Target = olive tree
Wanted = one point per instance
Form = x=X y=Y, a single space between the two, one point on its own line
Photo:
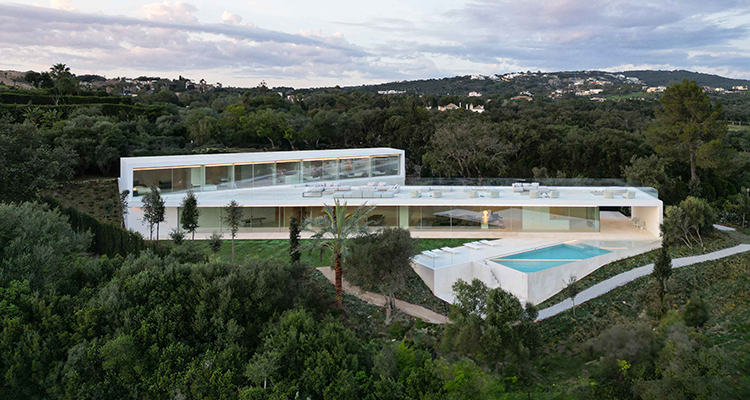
x=382 y=261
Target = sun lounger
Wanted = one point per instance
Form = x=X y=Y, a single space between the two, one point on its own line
x=429 y=254
x=472 y=246
x=488 y=243
x=449 y=250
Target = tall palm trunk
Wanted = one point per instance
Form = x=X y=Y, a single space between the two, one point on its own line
x=339 y=285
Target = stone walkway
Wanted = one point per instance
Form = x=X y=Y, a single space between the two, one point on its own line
x=629 y=276
x=377 y=299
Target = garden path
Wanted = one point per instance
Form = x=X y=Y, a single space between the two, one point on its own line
x=629 y=276
x=425 y=314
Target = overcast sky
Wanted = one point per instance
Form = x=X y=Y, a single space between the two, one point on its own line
x=304 y=43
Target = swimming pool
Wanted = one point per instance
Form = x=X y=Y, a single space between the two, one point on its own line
x=549 y=257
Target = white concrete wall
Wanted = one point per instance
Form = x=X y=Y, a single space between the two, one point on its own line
x=135 y=222
x=426 y=273
x=652 y=216
x=511 y=280
x=445 y=277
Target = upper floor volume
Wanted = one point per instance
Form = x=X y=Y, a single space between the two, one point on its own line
x=227 y=171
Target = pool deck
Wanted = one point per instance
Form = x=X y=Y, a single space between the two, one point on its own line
x=618 y=235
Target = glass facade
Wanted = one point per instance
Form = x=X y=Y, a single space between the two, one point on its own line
x=167 y=180
x=509 y=219
x=240 y=176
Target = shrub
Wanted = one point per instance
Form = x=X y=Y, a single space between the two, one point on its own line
x=696 y=312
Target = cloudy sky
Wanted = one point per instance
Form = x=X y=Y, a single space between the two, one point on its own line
x=304 y=43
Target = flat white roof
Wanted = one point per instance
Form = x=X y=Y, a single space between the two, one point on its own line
x=291 y=196
x=127 y=163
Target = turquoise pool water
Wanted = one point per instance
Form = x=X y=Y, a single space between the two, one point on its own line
x=549 y=257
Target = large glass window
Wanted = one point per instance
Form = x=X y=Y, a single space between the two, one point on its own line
x=264 y=174
x=243 y=176
x=184 y=179
x=312 y=171
x=288 y=173
x=354 y=168
x=210 y=218
x=383 y=216
x=436 y=218
x=415 y=217
x=166 y=180
x=385 y=166
x=584 y=219
x=144 y=180
x=497 y=218
x=468 y=217
x=561 y=219
x=330 y=170
x=263 y=219
x=218 y=178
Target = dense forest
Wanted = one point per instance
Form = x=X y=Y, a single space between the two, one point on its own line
x=89 y=130
x=177 y=321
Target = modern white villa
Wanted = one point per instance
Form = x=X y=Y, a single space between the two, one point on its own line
x=536 y=235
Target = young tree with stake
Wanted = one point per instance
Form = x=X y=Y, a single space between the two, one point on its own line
x=233 y=217
x=190 y=213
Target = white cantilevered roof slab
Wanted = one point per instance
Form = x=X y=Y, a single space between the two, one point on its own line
x=291 y=196
x=128 y=163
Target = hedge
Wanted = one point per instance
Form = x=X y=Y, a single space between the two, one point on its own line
x=44 y=99
x=108 y=239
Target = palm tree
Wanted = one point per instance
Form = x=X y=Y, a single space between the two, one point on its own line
x=59 y=70
x=336 y=228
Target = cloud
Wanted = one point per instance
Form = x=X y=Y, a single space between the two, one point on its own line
x=576 y=34
x=178 y=12
x=229 y=18
x=62 y=5
x=476 y=36
x=168 y=38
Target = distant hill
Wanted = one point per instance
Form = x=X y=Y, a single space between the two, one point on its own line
x=541 y=82
x=666 y=78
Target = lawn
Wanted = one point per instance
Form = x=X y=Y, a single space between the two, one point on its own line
x=278 y=249
x=716 y=241
x=416 y=290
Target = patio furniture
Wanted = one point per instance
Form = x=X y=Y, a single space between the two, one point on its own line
x=630 y=194
x=414 y=194
x=472 y=245
x=494 y=194
x=472 y=194
x=449 y=250
x=429 y=254
x=553 y=194
x=488 y=243
x=533 y=194
x=608 y=194
x=437 y=194
x=251 y=221
x=386 y=195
